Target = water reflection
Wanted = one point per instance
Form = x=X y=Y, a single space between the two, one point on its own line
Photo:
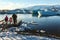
x=38 y=15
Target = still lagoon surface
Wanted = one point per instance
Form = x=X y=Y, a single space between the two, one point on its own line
x=50 y=24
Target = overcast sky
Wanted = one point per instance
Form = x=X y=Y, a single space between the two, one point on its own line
x=13 y=4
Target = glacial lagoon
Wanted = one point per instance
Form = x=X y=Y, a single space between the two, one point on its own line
x=49 y=24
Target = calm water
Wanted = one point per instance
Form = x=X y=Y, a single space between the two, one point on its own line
x=50 y=24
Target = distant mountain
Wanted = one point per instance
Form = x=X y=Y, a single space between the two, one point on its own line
x=42 y=7
x=37 y=7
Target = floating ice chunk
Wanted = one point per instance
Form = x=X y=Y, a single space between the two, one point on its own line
x=6 y=38
x=13 y=38
x=24 y=38
x=21 y=29
x=18 y=38
x=2 y=34
x=0 y=28
x=17 y=29
x=24 y=24
x=12 y=29
x=42 y=31
x=1 y=38
x=15 y=32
